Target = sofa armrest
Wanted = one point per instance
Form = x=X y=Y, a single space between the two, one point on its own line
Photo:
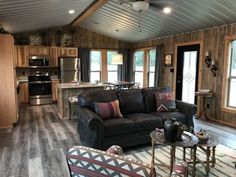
x=188 y=109
x=92 y=162
x=90 y=127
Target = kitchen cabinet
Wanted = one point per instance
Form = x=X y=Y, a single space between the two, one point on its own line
x=23 y=52
x=53 y=57
x=55 y=90
x=21 y=56
x=67 y=52
x=8 y=96
x=24 y=93
x=38 y=50
x=56 y=52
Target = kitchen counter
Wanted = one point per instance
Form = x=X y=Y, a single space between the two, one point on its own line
x=67 y=90
x=81 y=85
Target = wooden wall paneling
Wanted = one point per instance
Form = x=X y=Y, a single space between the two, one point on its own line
x=81 y=38
x=104 y=75
x=213 y=40
x=145 y=69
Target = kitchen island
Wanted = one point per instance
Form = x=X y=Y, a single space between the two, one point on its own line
x=67 y=90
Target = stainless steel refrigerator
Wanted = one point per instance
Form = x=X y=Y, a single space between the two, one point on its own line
x=69 y=69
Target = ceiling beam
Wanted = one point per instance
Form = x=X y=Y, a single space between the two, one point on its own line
x=88 y=12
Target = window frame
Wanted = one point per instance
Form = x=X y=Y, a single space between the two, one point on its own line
x=227 y=75
x=149 y=72
x=134 y=66
x=107 y=64
x=95 y=71
x=146 y=64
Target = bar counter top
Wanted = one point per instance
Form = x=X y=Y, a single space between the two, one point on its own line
x=80 y=85
x=67 y=90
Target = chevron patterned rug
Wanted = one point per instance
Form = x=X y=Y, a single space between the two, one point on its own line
x=225 y=160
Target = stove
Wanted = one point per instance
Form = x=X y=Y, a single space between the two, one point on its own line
x=40 y=89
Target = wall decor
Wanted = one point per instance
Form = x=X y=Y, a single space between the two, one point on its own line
x=35 y=39
x=66 y=40
x=168 y=59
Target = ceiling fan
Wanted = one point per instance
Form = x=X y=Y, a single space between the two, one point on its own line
x=143 y=5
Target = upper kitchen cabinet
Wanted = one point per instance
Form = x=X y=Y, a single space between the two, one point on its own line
x=53 y=56
x=67 y=52
x=38 y=50
x=21 y=56
x=56 y=52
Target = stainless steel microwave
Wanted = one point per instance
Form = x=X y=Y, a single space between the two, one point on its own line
x=38 y=61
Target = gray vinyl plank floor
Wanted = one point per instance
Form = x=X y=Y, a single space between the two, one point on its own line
x=38 y=144
x=40 y=140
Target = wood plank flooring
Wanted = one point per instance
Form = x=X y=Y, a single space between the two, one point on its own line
x=40 y=140
x=38 y=144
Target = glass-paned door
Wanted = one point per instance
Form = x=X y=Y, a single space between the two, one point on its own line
x=189 y=77
x=187 y=73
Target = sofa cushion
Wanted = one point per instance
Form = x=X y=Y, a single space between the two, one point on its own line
x=108 y=110
x=177 y=115
x=113 y=127
x=165 y=101
x=144 y=121
x=131 y=101
x=149 y=98
x=86 y=99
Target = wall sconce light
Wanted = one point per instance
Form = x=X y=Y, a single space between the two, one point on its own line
x=208 y=60
x=211 y=63
x=213 y=67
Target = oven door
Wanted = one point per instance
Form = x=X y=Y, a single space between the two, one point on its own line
x=40 y=88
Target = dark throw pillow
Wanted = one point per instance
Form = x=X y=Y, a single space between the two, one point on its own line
x=108 y=110
x=165 y=101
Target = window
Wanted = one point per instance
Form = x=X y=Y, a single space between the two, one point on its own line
x=112 y=70
x=231 y=101
x=95 y=66
x=139 y=67
x=151 y=66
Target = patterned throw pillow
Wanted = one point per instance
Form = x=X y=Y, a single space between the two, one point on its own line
x=108 y=110
x=165 y=101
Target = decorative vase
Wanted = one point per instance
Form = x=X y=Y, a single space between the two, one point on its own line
x=171 y=129
x=180 y=131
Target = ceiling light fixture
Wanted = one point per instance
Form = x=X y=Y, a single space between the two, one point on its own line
x=140 y=6
x=71 y=11
x=167 y=10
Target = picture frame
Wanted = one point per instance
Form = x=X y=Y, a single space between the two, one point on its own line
x=168 y=60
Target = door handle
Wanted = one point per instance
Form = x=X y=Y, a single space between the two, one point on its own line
x=178 y=81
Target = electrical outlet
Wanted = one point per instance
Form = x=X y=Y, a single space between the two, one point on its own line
x=208 y=106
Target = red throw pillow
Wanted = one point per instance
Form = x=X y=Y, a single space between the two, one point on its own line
x=165 y=101
x=108 y=110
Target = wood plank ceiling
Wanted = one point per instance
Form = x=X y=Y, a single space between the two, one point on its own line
x=26 y=15
x=122 y=22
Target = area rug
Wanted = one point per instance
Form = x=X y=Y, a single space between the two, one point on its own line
x=224 y=167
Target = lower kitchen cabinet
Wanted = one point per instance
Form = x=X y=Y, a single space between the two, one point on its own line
x=24 y=93
x=55 y=90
